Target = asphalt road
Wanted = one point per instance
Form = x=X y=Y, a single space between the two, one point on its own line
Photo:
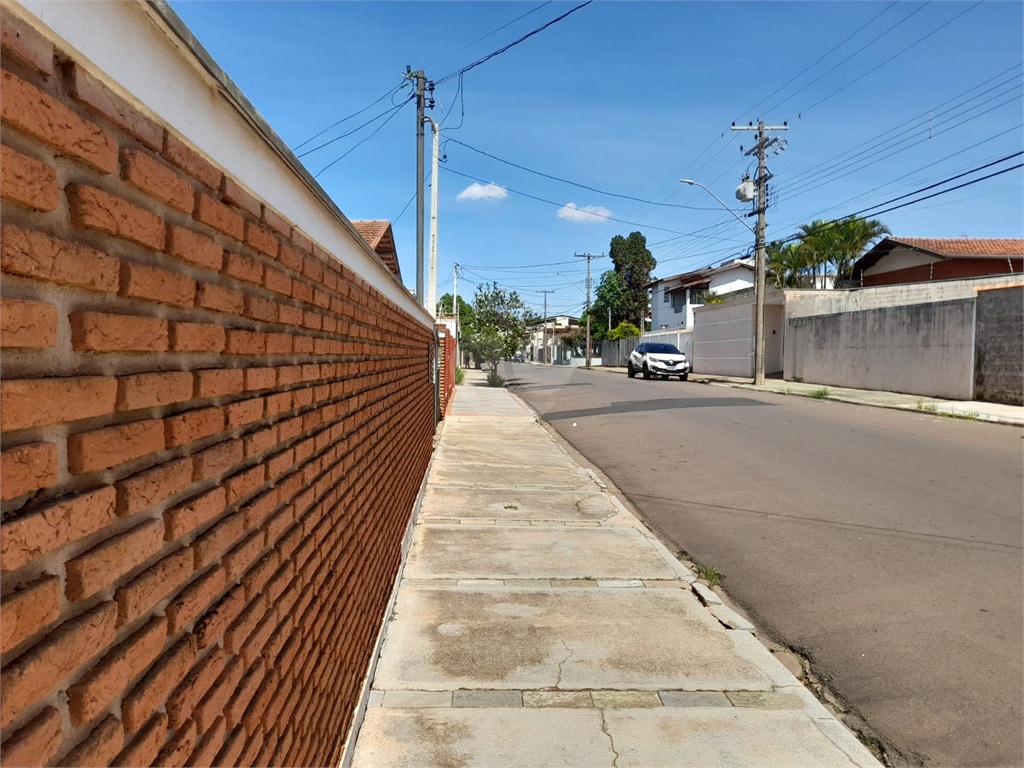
x=886 y=546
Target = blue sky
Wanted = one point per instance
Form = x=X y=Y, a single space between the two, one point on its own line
x=628 y=98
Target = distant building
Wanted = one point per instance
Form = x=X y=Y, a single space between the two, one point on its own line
x=921 y=259
x=378 y=235
x=674 y=298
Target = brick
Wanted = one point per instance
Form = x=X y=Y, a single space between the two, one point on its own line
x=151 y=586
x=260 y=378
x=50 y=661
x=110 y=560
x=179 y=747
x=265 y=756
x=218 y=216
x=240 y=629
x=276 y=221
x=190 y=602
x=312 y=269
x=253 y=644
x=303 y=345
x=244 y=412
x=27 y=610
x=95 y=209
x=194 y=687
x=236 y=706
x=89 y=91
x=99 y=332
x=288 y=375
x=110 y=446
x=257 y=576
x=240 y=342
x=277 y=281
x=257 y=510
x=279 y=403
x=145 y=489
x=259 y=441
x=216 y=541
x=99 y=747
x=217 y=459
x=91 y=694
x=187 y=517
x=27 y=324
x=193 y=247
x=213 y=623
x=37 y=742
x=141 y=281
x=28 y=467
x=302 y=292
x=151 y=692
x=178 y=154
x=212 y=704
x=45 y=530
x=193 y=425
x=301 y=242
x=232 y=193
x=210 y=743
x=219 y=299
x=41 y=257
x=289 y=315
x=263 y=310
x=144 y=748
x=242 y=267
x=260 y=239
x=21 y=41
x=196 y=337
x=215 y=382
x=289 y=258
x=279 y=581
x=279 y=344
x=243 y=555
x=244 y=483
x=152 y=390
x=27 y=182
x=27 y=109
x=28 y=403
x=229 y=754
x=154 y=178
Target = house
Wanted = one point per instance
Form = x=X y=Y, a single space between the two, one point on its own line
x=674 y=298
x=546 y=334
x=897 y=260
x=378 y=235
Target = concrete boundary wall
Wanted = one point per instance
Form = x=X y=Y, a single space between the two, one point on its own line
x=723 y=338
x=999 y=345
x=922 y=349
x=213 y=428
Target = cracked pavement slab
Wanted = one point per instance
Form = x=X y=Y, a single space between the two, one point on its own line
x=519 y=504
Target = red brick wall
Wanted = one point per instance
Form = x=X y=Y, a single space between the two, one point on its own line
x=448 y=361
x=212 y=437
x=948 y=269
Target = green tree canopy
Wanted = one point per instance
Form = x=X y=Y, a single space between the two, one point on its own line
x=499 y=325
x=609 y=297
x=623 y=330
x=633 y=263
x=466 y=314
x=822 y=245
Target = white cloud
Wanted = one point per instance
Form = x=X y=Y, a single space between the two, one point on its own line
x=588 y=213
x=482 y=192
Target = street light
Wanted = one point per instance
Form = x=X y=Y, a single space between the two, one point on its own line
x=758 y=284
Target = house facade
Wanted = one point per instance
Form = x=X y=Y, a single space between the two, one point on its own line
x=897 y=260
x=674 y=298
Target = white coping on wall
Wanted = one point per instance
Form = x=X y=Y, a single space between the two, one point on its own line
x=145 y=53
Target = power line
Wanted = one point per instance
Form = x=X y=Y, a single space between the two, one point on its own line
x=344 y=119
x=484 y=37
x=514 y=43
x=390 y=111
x=573 y=183
x=361 y=141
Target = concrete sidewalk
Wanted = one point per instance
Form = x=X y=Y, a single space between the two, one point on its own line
x=538 y=623
x=974 y=410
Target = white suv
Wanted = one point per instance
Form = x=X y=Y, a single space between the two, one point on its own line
x=655 y=359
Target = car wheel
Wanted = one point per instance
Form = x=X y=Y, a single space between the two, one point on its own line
x=684 y=377
x=646 y=372
x=629 y=370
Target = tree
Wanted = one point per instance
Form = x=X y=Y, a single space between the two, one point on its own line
x=623 y=330
x=634 y=263
x=609 y=300
x=838 y=244
x=444 y=307
x=786 y=266
x=499 y=325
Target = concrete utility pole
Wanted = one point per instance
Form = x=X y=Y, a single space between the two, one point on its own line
x=421 y=105
x=544 y=329
x=432 y=274
x=588 y=257
x=763 y=143
x=455 y=311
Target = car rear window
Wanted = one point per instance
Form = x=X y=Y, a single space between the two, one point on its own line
x=663 y=349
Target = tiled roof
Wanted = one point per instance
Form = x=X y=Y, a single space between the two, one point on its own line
x=963 y=246
x=378 y=235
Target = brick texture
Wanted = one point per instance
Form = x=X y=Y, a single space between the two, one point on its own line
x=213 y=437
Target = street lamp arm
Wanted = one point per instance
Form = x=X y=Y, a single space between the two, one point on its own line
x=693 y=183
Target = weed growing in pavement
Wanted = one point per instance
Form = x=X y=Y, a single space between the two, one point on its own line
x=818 y=393
x=511 y=506
x=934 y=409
x=710 y=574
x=494 y=379
x=460 y=375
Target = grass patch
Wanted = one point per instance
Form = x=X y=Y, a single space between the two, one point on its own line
x=494 y=379
x=819 y=393
x=933 y=409
x=460 y=375
x=709 y=574
x=511 y=506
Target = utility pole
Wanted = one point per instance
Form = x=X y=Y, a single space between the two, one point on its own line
x=432 y=272
x=544 y=329
x=455 y=311
x=588 y=257
x=421 y=104
x=763 y=143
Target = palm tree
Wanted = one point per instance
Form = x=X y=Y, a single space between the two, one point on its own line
x=787 y=265
x=838 y=244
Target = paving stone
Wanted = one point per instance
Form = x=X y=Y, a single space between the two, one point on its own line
x=564 y=699
x=487 y=699
x=694 y=699
x=730 y=618
x=625 y=699
x=765 y=700
x=619 y=583
x=417 y=699
x=705 y=593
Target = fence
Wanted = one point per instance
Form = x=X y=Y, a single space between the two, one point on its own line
x=447 y=366
x=215 y=421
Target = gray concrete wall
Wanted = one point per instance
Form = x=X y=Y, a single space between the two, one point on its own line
x=999 y=346
x=722 y=339
x=922 y=349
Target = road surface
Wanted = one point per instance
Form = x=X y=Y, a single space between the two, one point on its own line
x=886 y=546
